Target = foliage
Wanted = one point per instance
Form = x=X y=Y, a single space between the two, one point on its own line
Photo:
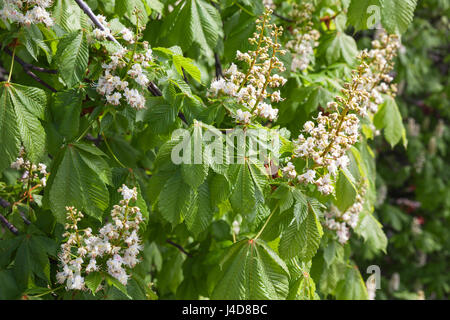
x=101 y=100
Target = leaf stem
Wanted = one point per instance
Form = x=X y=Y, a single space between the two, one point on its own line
x=267 y=221
x=12 y=64
x=112 y=153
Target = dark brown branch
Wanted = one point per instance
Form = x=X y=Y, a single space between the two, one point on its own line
x=94 y=19
x=218 y=65
x=184 y=75
x=283 y=18
x=8 y=225
x=4 y=203
x=96 y=141
x=179 y=247
x=26 y=67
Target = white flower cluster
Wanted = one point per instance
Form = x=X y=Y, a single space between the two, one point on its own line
x=333 y=133
x=113 y=249
x=26 y=12
x=250 y=89
x=32 y=172
x=132 y=64
x=305 y=38
x=342 y=222
x=381 y=62
x=303 y=49
x=268 y=4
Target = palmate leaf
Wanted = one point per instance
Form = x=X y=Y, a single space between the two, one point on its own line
x=194 y=21
x=389 y=118
x=31 y=257
x=199 y=214
x=362 y=13
x=338 y=46
x=397 y=14
x=248 y=180
x=345 y=191
x=252 y=270
x=372 y=232
x=351 y=287
x=174 y=198
x=127 y=8
x=68 y=15
x=302 y=237
x=72 y=57
x=196 y=169
x=21 y=108
x=79 y=178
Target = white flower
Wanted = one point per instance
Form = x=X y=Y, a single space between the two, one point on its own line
x=308 y=176
x=128 y=193
x=127 y=35
x=243 y=116
x=114 y=99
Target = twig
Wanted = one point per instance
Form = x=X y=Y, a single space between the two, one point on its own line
x=4 y=203
x=94 y=19
x=30 y=66
x=283 y=18
x=24 y=218
x=8 y=225
x=26 y=67
x=96 y=141
x=178 y=247
x=184 y=76
x=219 y=73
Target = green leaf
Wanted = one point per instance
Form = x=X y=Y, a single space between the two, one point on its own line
x=72 y=57
x=251 y=270
x=372 y=232
x=93 y=280
x=126 y=8
x=116 y=283
x=174 y=198
x=302 y=236
x=21 y=109
x=339 y=47
x=194 y=21
x=345 y=191
x=79 y=180
x=69 y=16
x=65 y=109
x=196 y=170
x=200 y=213
x=397 y=14
x=389 y=118
x=352 y=287
x=159 y=114
x=187 y=64
x=32 y=258
x=248 y=181
x=364 y=14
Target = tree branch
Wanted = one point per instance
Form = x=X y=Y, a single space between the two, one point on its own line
x=26 y=67
x=94 y=19
x=5 y=204
x=178 y=247
x=282 y=17
x=8 y=225
x=218 y=65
